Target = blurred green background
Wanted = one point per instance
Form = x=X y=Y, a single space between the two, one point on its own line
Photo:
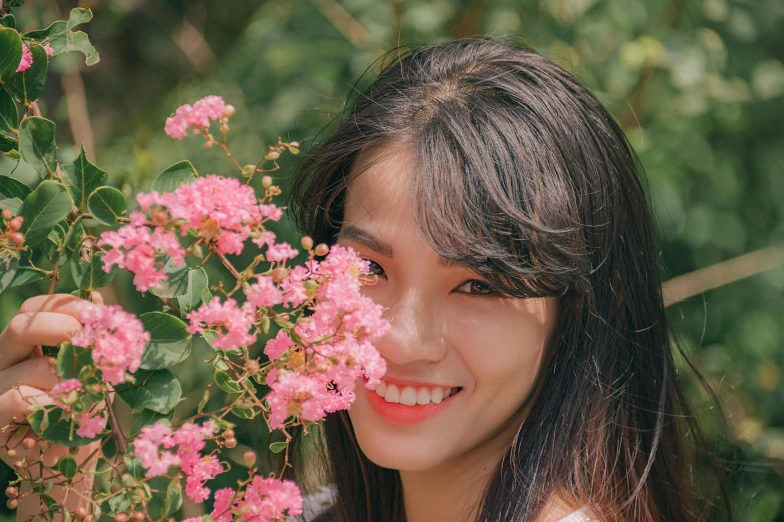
x=698 y=85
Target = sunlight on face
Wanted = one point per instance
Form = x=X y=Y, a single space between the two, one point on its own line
x=444 y=331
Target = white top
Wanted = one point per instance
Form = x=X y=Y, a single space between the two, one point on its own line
x=315 y=504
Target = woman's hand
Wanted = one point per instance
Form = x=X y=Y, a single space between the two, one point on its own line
x=25 y=379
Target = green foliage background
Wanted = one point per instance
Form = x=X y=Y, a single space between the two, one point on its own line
x=698 y=85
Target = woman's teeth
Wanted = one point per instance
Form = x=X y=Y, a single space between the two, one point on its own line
x=411 y=396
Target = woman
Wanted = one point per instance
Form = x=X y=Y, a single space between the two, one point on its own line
x=530 y=374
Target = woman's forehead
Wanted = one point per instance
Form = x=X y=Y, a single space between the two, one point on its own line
x=379 y=187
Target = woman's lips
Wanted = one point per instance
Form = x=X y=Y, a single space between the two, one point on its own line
x=406 y=415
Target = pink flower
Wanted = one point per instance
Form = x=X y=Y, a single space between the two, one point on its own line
x=197 y=116
x=48 y=49
x=265 y=238
x=280 y=252
x=146 y=447
x=198 y=472
x=64 y=393
x=264 y=500
x=136 y=249
x=89 y=426
x=264 y=292
x=295 y=394
x=27 y=59
x=276 y=346
x=117 y=339
x=231 y=322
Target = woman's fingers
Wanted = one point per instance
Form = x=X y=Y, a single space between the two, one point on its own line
x=15 y=405
x=60 y=303
x=27 y=330
x=31 y=372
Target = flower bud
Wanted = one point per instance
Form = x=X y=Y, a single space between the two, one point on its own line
x=272 y=155
x=17 y=237
x=138 y=516
x=228 y=434
x=248 y=170
x=11 y=453
x=120 y=517
x=11 y=492
x=294 y=143
x=306 y=242
x=45 y=445
x=224 y=128
x=19 y=464
x=7 y=214
x=279 y=274
x=207 y=144
x=28 y=443
x=322 y=249
x=266 y=181
x=229 y=111
x=293 y=149
x=127 y=480
x=230 y=443
x=115 y=488
x=80 y=512
x=12 y=503
x=16 y=223
x=249 y=458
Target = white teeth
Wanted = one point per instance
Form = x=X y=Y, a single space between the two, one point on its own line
x=411 y=396
x=408 y=396
x=392 y=394
x=423 y=396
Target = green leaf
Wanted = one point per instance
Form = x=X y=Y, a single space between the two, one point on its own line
x=43 y=209
x=177 y=282
x=8 y=21
x=9 y=116
x=14 y=3
x=7 y=273
x=36 y=140
x=181 y=172
x=27 y=85
x=277 y=447
x=13 y=188
x=170 y=342
x=12 y=204
x=58 y=431
x=146 y=418
x=75 y=41
x=106 y=204
x=10 y=53
x=244 y=413
x=226 y=383
x=71 y=360
x=91 y=275
x=82 y=178
x=67 y=467
x=156 y=390
x=205 y=398
x=78 y=16
x=26 y=275
x=173 y=500
x=9 y=146
x=197 y=281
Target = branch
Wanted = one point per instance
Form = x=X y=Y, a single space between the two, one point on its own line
x=343 y=21
x=699 y=281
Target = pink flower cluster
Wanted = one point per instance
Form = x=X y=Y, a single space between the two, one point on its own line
x=189 y=440
x=137 y=249
x=117 y=339
x=222 y=211
x=27 y=57
x=230 y=322
x=89 y=425
x=264 y=500
x=197 y=116
x=341 y=311
x=65 y=393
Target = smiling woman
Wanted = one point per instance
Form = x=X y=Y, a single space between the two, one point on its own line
x=530 y=372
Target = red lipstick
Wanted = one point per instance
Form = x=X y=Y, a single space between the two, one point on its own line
x=406 y=415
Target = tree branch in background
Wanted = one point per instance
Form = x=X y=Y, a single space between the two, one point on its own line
x=194 y=46
x=699 y=281
x=343 y=21
x=78 y=117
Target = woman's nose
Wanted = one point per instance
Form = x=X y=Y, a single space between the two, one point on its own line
x=416 y=332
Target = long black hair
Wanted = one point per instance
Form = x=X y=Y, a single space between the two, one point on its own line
x=523 y=174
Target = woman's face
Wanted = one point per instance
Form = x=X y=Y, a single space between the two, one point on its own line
x=446 y=333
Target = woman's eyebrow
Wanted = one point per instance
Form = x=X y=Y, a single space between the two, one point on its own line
x=363 y=237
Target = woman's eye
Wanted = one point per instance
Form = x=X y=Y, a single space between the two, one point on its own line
x=481 y=288
x=375 y=268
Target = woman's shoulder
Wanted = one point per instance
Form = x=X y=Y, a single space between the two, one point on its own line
x=583 y=514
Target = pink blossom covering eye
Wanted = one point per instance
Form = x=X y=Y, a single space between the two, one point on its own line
x=117 y=339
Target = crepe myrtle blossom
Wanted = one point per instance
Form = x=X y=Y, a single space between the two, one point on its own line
x=89 y=425
x=264 y=500
x=153 y=446
x=117 y=339
x=65 y=393
x=198 y=116
x=27 y=57
x=230 y=321
x=136 y=248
